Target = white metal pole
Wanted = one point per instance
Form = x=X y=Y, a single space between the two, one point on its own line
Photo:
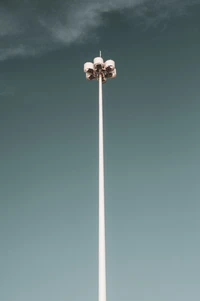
x=102 y=251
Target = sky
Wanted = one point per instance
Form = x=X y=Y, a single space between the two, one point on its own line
x=49 y=150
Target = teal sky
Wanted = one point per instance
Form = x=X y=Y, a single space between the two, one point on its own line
x=49 y=150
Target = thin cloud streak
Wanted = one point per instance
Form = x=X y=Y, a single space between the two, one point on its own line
x=35 y=27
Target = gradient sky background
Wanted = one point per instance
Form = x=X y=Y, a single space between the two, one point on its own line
x=49 y=150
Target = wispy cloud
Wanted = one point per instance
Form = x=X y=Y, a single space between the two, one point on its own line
x=31 y=27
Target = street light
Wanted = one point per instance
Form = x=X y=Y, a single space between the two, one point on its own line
x=101 y=71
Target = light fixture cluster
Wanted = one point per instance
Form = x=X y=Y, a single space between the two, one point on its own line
x=106 y=69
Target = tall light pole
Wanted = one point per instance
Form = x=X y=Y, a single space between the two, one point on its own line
x=101 y=71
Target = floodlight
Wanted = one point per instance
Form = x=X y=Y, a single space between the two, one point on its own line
x=89 y=76
x=109 y=65
x=98 y=63
x=89 y=67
